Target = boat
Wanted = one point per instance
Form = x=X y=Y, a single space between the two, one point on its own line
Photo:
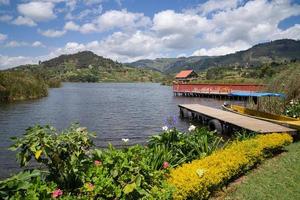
x=278 y=119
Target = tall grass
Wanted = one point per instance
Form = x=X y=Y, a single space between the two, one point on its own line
x=20 y=85
x=286 y=82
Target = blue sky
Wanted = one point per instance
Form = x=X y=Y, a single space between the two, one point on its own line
x=128 y=30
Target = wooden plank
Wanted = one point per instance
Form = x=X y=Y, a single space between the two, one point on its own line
x=245 y=122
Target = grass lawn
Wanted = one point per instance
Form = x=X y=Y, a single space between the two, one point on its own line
x=276 y=178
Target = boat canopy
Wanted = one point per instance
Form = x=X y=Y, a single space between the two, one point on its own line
x=257 y=94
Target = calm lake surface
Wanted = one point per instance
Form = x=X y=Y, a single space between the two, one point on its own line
x=112 y=110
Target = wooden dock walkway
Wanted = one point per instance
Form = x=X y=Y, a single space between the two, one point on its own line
x=234 y=119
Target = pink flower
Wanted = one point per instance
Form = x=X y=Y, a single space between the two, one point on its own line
x=56 y=193
x=166 y=165
x=97 y=162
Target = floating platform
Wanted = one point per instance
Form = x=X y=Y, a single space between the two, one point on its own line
x=229 y=119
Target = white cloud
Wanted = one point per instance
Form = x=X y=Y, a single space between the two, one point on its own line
x=24 y=21
x=5 y=18
x=15 y=44
x=71 y=26
x=125 y=47
x=122 y=19
x=88 y=28
x=37 y=44
x=116 y=19
x=2 y=37
x=92 y=2
x=37 y=11
x=52 y=33
x=216 y=5
x=5 y=2
x=12 y=61
x=222 y=50
x=168 y=22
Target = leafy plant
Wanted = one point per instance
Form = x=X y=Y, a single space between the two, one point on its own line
x=26 y=185
x=124 y=174
x=65 y=155
x=186 y=146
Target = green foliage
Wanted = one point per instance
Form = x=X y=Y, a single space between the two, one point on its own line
x=185 y=146
x=286 y=82
x=293 y=109
x=75 y=171
x=26 y=185
x=88 y=67
x=124 y=174
x=20 y=85
x=65 y=155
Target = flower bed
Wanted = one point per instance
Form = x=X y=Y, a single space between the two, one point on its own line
x=196 y=180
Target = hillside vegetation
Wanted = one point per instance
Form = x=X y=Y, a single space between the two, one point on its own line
x=278 y=51
x=20 y=86
x=88 y=67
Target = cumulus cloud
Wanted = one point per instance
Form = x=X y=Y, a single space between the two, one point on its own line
x=120 y=46
x=116 y=20
x=24 y=21
x=71 y=26
x=52 y=33
x=122 y=19
x=37 y=44
x=12 y=61
x=37 y=11
x=215 y=5
x=222 y=50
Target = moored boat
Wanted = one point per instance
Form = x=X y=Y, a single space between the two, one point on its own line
x=278 y=119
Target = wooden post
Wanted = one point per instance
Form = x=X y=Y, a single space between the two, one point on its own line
x=181 y=113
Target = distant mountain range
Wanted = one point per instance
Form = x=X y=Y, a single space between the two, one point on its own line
x=88 y=67
x=275 y=51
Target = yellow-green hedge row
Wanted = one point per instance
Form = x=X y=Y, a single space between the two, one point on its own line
x=196 y=180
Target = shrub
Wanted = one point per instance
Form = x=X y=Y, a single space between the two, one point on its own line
x=185 y=147
x=198 y=179
x=125 y=174
x=26 y=185
x=64 y=154
x=293 y=109
x=20 y=86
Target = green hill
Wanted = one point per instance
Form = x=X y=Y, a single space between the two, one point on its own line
x=278 y=51
x=88 y=67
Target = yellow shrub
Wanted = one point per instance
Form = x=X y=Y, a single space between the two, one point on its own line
x=196 y=180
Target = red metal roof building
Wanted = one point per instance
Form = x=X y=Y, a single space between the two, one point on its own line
x=186 y=75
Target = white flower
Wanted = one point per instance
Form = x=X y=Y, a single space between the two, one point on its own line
x=81 y=129
x=294 y=116
x=291 y=102
x=165 y=128
x=125 y=140
x=192 y=128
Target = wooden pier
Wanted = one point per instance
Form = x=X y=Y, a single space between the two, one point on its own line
x=224 y=120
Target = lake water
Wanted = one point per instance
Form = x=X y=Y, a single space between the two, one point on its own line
x=112 y=110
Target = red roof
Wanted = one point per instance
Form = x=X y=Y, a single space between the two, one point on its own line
x=184 y=74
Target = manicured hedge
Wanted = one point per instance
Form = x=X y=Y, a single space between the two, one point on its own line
x=196 y=180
